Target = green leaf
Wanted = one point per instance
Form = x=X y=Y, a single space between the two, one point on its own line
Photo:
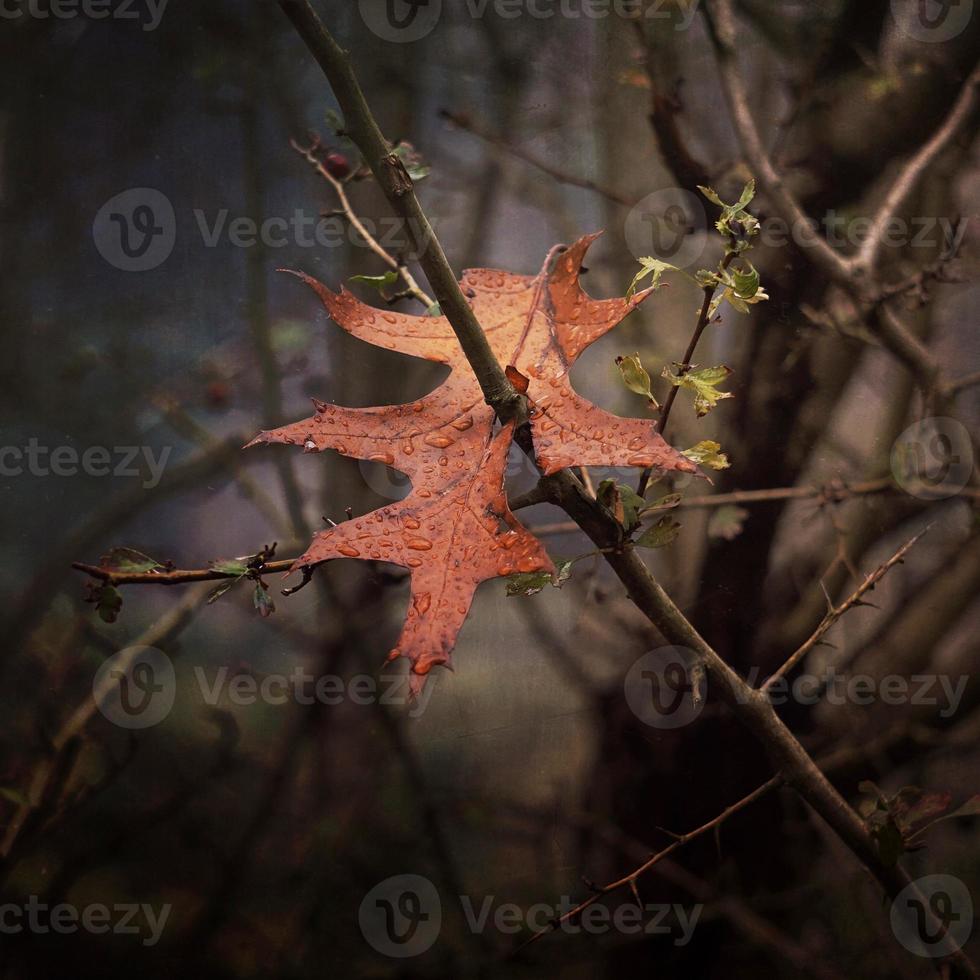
x=415 y=166
x=659 y=535
x=746 y=281
x=727 y=522
x=531 y=583
x=742 y=289
x=735 y=222
x=650 y=266
x=636 y=378
x=229 y=566
x=711 y=195
x=527 y=583
x=378 y=282
x=263 y=601
x=607 y=494
x=748 y=192
x=668 y=502
x=108 y=602
x=632 y=503
x=704 y=384
x=623 y=501
x=707 y=453
x=221 y=590
x=129 y=560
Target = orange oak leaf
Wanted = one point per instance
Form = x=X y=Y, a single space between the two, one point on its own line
x=455 y=530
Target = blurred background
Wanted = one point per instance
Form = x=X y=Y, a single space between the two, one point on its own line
x=145 y=319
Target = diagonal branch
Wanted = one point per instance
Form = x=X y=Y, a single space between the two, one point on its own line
x=959 y=118
x=721 y=24
x=465 y=123
x=394 y=181
x=682 y=839
x=836 y=612
x=414 y=290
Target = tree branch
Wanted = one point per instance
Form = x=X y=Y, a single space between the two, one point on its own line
x=680 y=841
x=176 y=576
x=309 y=154
x=721 y=24
x=836 y=612
x=463 y=122
x=392 y=178
x=955 y=123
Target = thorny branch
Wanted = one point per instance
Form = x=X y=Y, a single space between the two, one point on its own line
x=309 y=154
x=834 y=613
x=680 y=840
x=464 y=122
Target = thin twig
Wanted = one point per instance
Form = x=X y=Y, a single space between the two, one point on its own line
x=176 y=576
x=465 y=123
x=393 y=179
x=685 y=366
x=55 y=770
x=959 y=384
x=956 y=122
x=412 y=287
x=836 y=612
x=630 y=879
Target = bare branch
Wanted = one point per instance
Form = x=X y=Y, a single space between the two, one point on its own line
x=465 y=123
x=394 y=181
x=721 y=22
x=836 y=612
x=413 y=288
x=960 y=117
x=55 y=770
x=679 y=841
